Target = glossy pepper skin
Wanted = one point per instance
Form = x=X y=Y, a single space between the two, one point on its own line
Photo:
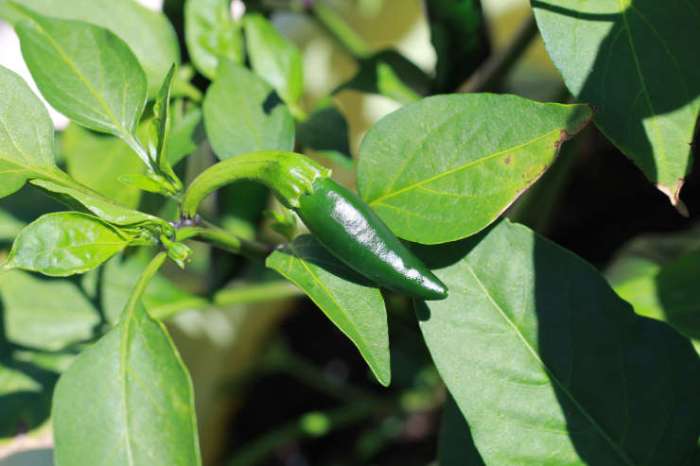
x=353 y=233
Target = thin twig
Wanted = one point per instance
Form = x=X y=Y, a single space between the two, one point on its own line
x=492 y=72
x=339 y=29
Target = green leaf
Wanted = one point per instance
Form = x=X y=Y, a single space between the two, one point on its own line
x=9 y=226
x=456 y=445
x=459 y=35
x=100 y=206
x=148 y=33
x=446 y=167
x=186 y=136
x=139 y=393
x=84 y=71
x=533 y=342
x=97 y=161
x=47 y=315
x=632 y=61
x=212 y=34
x=243 y=114
x=65 y=243
x=26 y=135
x=274 y=58
x=354 y=306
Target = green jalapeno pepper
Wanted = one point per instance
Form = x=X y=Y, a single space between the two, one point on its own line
x=336 y=216
x=353 y=233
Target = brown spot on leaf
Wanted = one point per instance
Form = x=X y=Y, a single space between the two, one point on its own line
x=508 y=159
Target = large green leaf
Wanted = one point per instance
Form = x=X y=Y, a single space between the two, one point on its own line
x=86 y=72
x=212 y=34
x=148 y=33
x=446 y=167
x=46 y=314
x=65 y=243
x=26 y=134
x=243 y=114
x=633 y=61
x=354 y=306
x=140 y=398
x=97 y=161
x=274 y=58
x=549 y=366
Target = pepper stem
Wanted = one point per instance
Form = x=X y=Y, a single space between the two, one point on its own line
x=288 y=174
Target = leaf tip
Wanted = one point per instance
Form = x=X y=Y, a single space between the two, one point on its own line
x=382 y=376
x=674 y=195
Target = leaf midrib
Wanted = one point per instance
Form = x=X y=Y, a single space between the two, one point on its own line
x=124 y=346
x=601 y=431
x=471 y=163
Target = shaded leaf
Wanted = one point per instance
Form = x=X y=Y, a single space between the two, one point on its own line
x=25 y=392
x=49 y=315
x=148 y=33
x=274 y=58
x=533 y=342
x=65 y=243
x=243 y=114
x=97 y=161
x=86 y=72
x=632 y=61
x=186 y=136
x=211 y=34
x=446 y=167
x=326 y=132
x=26 y=137
x=354 y=306
x=140 y=397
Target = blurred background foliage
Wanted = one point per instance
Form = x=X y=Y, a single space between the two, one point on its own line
x=276 y=384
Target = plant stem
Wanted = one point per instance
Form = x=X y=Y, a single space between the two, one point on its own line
x=490 y=75
x=299 y=429
x=257 y=293
x=148 y=274
x=224 y=240
x=339 y=29
x=240 y=294
x=304 y=371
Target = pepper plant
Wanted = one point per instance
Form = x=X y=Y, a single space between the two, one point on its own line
x=544 y=363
